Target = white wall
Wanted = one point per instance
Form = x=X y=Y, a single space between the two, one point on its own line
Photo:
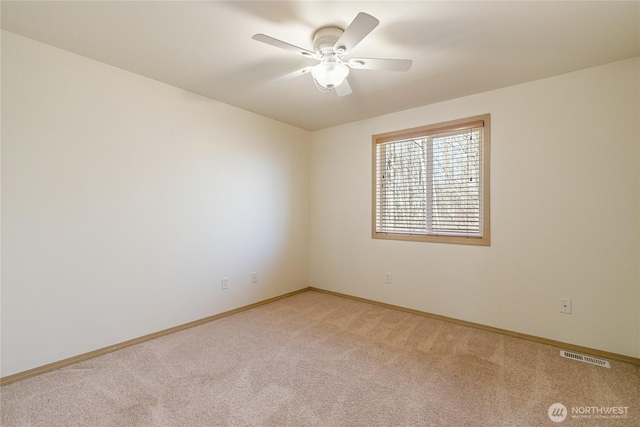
x=564 y=214
x=124 y=201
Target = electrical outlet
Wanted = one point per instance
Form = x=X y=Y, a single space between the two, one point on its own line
x=387 y=278
x=225 y=283
x=565 y=305
x=254 y=277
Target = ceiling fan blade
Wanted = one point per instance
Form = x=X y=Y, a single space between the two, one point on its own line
x=381 y=64
x=343 y=89
x=283 y=45
x=294 y=74
x=361 y=26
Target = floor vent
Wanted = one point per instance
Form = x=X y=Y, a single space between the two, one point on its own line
x=586 y=359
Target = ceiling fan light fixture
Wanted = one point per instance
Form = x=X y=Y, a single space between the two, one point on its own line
x=330 y=45
x=330 y=73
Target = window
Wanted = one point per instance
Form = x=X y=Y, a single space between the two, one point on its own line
x=432 y=183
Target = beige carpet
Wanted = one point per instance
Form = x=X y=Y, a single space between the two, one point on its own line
x=319 y=360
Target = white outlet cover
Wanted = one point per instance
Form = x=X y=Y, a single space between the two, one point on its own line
x=565 y=305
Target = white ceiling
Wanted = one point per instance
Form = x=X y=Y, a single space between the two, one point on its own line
x=457 y=48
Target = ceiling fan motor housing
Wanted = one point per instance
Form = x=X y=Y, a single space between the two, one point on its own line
x=325 y=39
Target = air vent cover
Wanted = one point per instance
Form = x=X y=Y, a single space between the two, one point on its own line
x=586 y=359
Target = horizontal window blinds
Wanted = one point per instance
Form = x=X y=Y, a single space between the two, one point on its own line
x=431 y=184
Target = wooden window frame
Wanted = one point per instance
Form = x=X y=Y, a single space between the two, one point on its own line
x=424 y=131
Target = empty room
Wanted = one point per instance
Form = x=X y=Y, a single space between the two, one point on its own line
x=317 y=213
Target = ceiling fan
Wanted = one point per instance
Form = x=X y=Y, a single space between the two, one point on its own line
x=330 y=46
